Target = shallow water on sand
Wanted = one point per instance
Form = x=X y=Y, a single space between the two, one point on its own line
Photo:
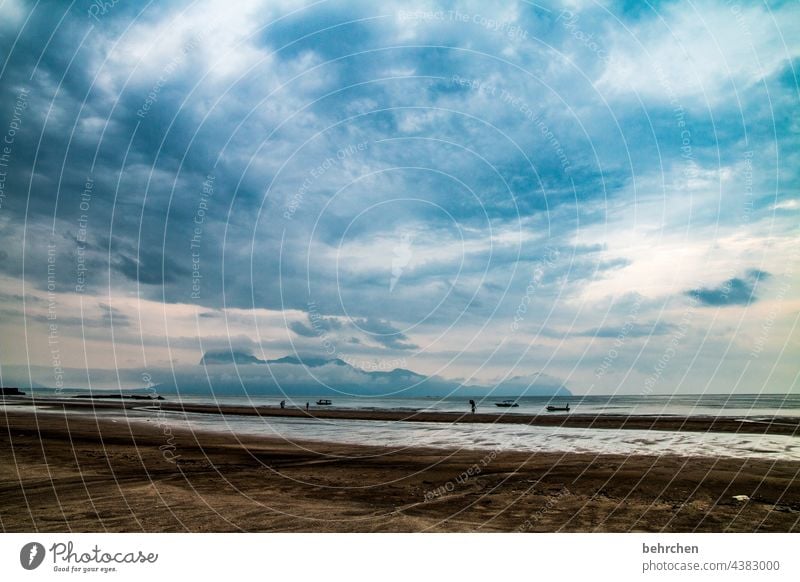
x=508 y=437
x=501 y=437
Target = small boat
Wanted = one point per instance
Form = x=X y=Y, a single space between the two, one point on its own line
x=324 y=402
x=506 y=404
x=558 y=408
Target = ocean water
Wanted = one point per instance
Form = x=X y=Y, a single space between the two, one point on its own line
x=763 y=406
x=760 y=406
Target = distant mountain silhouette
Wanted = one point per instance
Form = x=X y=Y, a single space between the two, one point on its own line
x=230 y=372
x=229 y=357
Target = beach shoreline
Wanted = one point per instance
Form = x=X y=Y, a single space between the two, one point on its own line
x=782 y=425
x=78 y=472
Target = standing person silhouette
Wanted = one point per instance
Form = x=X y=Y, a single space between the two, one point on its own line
x=306 y=405
x=472 y=404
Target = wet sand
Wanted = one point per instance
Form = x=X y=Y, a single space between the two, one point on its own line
x=62 y=473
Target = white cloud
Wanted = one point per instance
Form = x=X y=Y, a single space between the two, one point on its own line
x=695 y=51
x=793 y=204
x=13 y=12
x=210 y=36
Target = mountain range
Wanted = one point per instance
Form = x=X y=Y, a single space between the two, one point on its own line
x=237 y=372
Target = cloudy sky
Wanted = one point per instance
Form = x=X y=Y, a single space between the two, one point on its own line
x=604 y=193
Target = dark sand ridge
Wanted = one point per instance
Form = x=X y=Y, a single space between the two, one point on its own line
x=81 y=473
x=779 y=425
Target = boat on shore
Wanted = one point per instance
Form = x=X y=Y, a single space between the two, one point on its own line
x=506 y=404
x=558 y=408
x=324 y=402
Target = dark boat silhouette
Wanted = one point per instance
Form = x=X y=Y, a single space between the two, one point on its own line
x=506 y=404
x=558 y=408
x=323 y=402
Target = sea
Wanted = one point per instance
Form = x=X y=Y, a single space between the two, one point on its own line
x=758 y=406
x=397 y=435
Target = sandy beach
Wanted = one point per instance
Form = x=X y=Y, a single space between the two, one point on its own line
x=77 y=472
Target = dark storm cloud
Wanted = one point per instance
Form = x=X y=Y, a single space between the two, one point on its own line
x=310 y=123
x=734 y=291
x=383 y=332
x=378 y=330
x=154 y=269
x=302 y=329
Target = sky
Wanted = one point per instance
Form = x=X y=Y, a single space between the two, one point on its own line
x=602 y=194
